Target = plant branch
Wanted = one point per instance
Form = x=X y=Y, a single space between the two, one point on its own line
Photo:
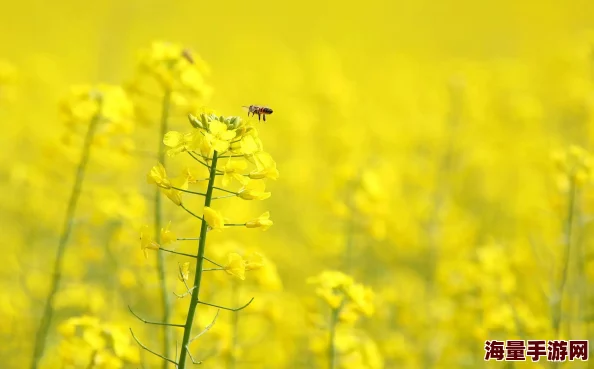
x=48 y=312
x=199 y=266
x=155 y=323
x=178 y=253
x=151 y=351
x=226 y=308
x=165 y=110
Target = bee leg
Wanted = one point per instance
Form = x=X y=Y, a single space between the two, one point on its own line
x=264 y=117
x=258 y=116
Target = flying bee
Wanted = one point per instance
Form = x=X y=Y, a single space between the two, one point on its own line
x=261 y=111
x=186 y=54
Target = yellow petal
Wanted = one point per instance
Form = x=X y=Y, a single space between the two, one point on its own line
x=236 y=266
x=184 y=271
x=227 y=136
x=173 y=139
x=214 y=218
x=217 y=128
x=220 y=145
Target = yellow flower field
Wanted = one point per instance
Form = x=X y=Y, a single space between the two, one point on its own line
x=420 y=190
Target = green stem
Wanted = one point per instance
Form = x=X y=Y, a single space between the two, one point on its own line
x=166 y=105
x=331 y=344
x=224 y=190
x=199 y=266
x=48 y=312
x=232 y=360
x=348 y=254
x=92 y=362
x=177 y=253
x=558 y=312
x=188 y=191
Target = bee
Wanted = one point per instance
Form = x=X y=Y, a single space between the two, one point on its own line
x=261 y=111
x=186 y=54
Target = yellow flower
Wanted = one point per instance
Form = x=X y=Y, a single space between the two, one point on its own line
x=332 y=297
x=254 y=190
x=158 y=176
x=236 y=266
x=334 y=286
x=184 y=271
x=348 y=315
x=176 y=195
x=218 y=136
x=167 y=236
x=331 y=279
x=362 y=297
x=67 y=328
x=255 y=262
x=263 y=221
x=180 y=142
x=575 y=164
x=214 y=218
x=111 y=102
x=189 y=176
x=93 y=336
x=232 y=171
x=266 y=167
x=127 y=278
x=81 y=105
x=248 y=145
x=146 y=241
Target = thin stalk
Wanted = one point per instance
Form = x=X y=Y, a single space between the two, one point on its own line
x=92 y=362
x=350 y=236
x=166 y=105
x=558 y=312
x=224 y=190
x=232 y=360
x=331 y=344
x=199 y=266
x=48 y=312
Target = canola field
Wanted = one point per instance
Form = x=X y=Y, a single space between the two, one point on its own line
x=420 y=194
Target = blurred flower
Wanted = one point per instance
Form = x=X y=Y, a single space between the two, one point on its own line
x=167 y=236
x=266 y=167
x=175 y=68
x=146 y=240
x=263 y=222
x=235 y=266
x=110 y=103
x=255 y=261
x=87 y=337
x=169 y=187
x=574 y=164
x=184 y=271
x=233 y=170
x=254 y=190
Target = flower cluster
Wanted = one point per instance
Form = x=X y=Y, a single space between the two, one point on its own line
x=88 y=342
x=574 y=165
x=235 y=141
x=177 y=70
x=355 y=349
x=213 y=139
x=348 y=300
x=107 y=108
x=341 y=293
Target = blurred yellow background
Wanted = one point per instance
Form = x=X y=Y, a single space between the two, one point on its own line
x=434 y=151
